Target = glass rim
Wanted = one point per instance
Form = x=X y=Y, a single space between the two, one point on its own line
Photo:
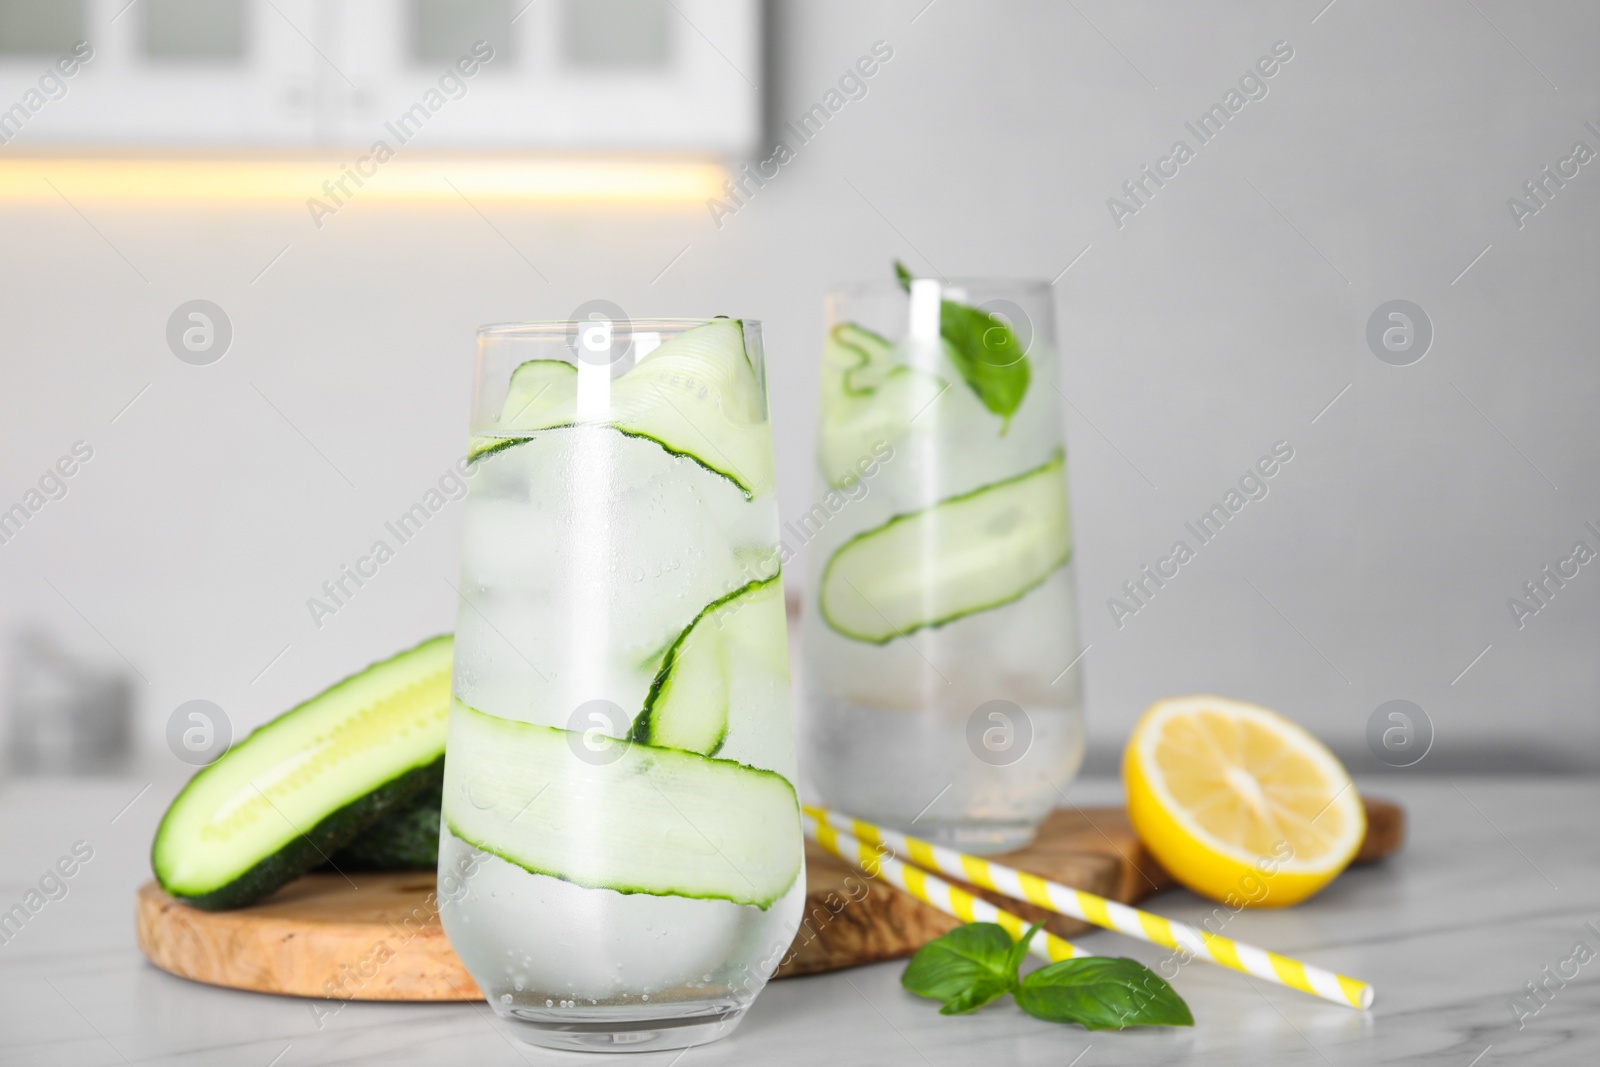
x=881 y=285
x=561 y=327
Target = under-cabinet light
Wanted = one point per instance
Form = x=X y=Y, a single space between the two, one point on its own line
x=336 y=180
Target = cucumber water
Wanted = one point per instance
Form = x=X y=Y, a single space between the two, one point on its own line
x=940 y=612
x=621 y=833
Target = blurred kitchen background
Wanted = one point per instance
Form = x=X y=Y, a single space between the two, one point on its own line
x=222 y=468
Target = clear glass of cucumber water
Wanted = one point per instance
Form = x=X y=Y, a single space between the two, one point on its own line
x=620 y=862
x=940 y=617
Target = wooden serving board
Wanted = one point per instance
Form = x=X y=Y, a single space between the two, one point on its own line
x=376 y=936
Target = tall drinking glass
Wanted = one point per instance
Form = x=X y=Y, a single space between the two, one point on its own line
x=940 y=620
x=620 y=862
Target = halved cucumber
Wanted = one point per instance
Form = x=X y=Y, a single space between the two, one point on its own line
x=610 y=814
x=866 y=400
x=298 y=789
x=963 y=555
x=696 y=395
x=406 y=839
x=689 y=700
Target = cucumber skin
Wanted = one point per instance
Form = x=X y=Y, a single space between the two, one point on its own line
x=500 y=446
x=641 y=733
x=331 y=834
x=512 y=442
x=1059 y=459
x=406 y=839
x=321 y=841
x=749 y=494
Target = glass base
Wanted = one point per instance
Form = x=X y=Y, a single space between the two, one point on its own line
x=623 y=1029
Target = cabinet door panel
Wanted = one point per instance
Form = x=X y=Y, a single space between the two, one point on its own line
x=565 y=74
x=165 y=72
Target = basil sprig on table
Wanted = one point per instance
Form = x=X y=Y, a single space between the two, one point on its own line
x=985 y=351
x=966 y=968
x=977 y=963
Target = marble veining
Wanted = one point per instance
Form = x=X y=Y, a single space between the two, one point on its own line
x=1498 y=880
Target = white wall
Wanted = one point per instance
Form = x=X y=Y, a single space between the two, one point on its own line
x=1218 y=320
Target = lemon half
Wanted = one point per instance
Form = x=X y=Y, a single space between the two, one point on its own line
x=1240 y=804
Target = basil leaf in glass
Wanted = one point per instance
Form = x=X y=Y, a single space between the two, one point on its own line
x=985 y=351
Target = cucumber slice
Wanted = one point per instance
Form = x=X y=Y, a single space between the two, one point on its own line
x=689 y=700
x=626 y=817
x=859 y=427
x=967 y=554
x=539 y=388
x=543 y=393
x=867 y=400
x=860 y=358
x=298 y=789
x=696 y=396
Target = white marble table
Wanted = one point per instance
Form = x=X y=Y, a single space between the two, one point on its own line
x=1497 y=882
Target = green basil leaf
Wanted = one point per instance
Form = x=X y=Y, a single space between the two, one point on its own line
x=985 y=351
x=967 y=961
x=902 y=275
x=988 y=355
x=1101 y=993
x=977 y=995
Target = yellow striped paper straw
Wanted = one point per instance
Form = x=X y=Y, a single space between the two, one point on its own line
x=936 y=891
x=1099 y=911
